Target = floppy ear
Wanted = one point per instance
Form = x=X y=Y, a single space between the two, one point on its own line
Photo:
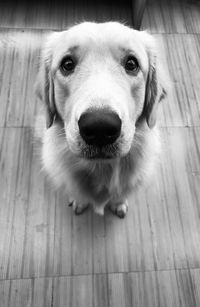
x=44 y=89
x=156 y=84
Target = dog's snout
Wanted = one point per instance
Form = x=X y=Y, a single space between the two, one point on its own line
x=99 y=127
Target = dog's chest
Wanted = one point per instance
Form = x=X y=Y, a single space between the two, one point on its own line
x=93 y=184
x=103 y=182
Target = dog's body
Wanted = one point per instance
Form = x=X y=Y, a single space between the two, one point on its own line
x=100 y=94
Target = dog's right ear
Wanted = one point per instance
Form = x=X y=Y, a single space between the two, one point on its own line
x=44 y=89
x=157 y=85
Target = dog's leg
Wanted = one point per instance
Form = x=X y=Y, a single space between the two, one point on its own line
x=78 y=208
x=119 y=208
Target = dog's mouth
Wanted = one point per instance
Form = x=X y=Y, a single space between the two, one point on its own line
x=100 y=153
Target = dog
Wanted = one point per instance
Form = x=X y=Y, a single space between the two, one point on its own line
x=100 y=85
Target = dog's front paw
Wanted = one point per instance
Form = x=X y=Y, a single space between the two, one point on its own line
x=119 y=209
x=78 y=208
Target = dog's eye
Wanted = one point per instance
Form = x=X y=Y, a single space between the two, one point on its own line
x=67 y=65
x=131 y=65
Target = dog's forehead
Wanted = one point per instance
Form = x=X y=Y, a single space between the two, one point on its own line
x=99 y=33
x=91 y=37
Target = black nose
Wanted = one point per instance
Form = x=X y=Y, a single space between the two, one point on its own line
x=99 y=127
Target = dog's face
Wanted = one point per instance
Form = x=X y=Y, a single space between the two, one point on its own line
x=99 y=79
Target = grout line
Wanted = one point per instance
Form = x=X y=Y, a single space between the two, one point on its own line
x=172 y=33
x=16 y=127
x=179 y=127
x=2 y=28
x=104 y=273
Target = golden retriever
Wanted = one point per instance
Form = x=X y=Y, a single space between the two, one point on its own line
x=100 y=85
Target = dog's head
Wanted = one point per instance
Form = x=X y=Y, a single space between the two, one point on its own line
x=100 y=80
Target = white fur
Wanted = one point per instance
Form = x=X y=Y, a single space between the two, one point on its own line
x=99 y=81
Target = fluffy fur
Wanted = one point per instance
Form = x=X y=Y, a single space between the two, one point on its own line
x=99 y=80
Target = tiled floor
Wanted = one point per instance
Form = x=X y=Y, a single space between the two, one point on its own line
x=48 y=256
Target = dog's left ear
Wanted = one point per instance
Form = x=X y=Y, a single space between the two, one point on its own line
x=45 y=92
x=157 y=81
x=44 y=86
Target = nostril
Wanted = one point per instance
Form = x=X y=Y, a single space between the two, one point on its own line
x=100 y=127
x=87 y=132
x=111 y=130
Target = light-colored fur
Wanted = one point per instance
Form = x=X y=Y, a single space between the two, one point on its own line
x=99 y=80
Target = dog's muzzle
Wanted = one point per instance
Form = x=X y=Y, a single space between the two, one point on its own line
x=99 y=127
